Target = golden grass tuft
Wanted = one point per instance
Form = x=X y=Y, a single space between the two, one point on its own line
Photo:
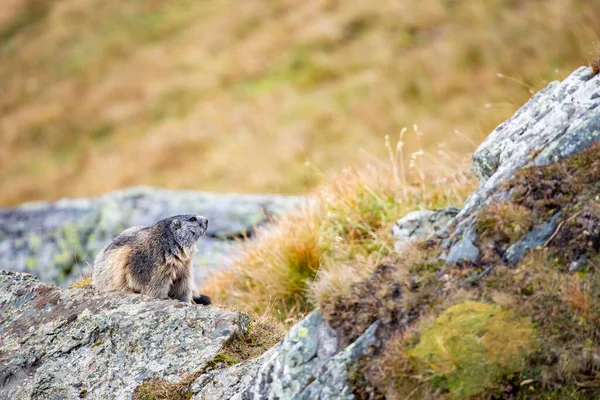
x=163 y=390
x=271 y=273
x=339 y=236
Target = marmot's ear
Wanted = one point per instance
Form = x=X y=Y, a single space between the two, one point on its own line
x=176 y=223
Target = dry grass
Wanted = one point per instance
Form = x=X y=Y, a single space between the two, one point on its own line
x=263 y=333
x=82 y=282
x=100 y=94
x=339 y=237
x=595 y=63
x=164 y=390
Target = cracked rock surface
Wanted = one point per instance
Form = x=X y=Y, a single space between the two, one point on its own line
x=309 y=364
x=58 y=241
x=71 y=343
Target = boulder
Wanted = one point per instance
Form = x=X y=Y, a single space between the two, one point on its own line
x=420 y=225
x=558 y=121
x=78 y=343
x=58 y=241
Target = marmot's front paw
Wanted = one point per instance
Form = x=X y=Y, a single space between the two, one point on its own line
x=202 y=299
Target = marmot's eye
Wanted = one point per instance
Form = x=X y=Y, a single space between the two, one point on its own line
x=193 y=219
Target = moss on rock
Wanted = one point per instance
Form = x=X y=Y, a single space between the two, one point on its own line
x=472 y=346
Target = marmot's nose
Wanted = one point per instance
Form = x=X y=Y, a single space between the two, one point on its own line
x=203 y=221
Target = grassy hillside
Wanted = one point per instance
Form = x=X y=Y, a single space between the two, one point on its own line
x=235 y=96
x=495 y=327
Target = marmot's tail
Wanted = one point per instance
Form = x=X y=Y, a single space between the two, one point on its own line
x=202 y=299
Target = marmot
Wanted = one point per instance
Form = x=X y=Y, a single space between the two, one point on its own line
x=155 y=260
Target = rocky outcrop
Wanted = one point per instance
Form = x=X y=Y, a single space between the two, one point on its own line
x=58 y=241
x=309 y=363
x=559 y=121
x=78 y=343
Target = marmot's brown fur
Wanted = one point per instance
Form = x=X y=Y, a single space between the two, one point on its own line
x=155 y=260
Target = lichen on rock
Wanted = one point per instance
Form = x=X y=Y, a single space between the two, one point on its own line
x=66 y=343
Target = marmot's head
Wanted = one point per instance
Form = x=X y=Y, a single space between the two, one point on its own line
x=187 y=228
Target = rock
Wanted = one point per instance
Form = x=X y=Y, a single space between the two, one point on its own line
x=66 y=344
x=229 y=383
x=463 y=250
x=558 y=121
x=536 y=238
x=577 y=265
x=308 y=364
x=420 y=225
x=58 y=241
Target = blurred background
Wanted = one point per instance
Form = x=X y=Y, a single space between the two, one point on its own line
x=237 y=95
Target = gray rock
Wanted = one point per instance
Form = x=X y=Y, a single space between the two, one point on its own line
x=575 y=266
x=64 y=344
x=229 y=383
x=308 y=364
x=58 y=241
x=537 y=237
x=421 y=225
x=463 y=250
x=557 y=122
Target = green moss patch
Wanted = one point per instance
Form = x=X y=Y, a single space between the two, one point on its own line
x=472 y=346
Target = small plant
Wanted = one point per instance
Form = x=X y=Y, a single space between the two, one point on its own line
x=504 y=222
x=595 y=64
x=84 y=281
x=263 y=333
